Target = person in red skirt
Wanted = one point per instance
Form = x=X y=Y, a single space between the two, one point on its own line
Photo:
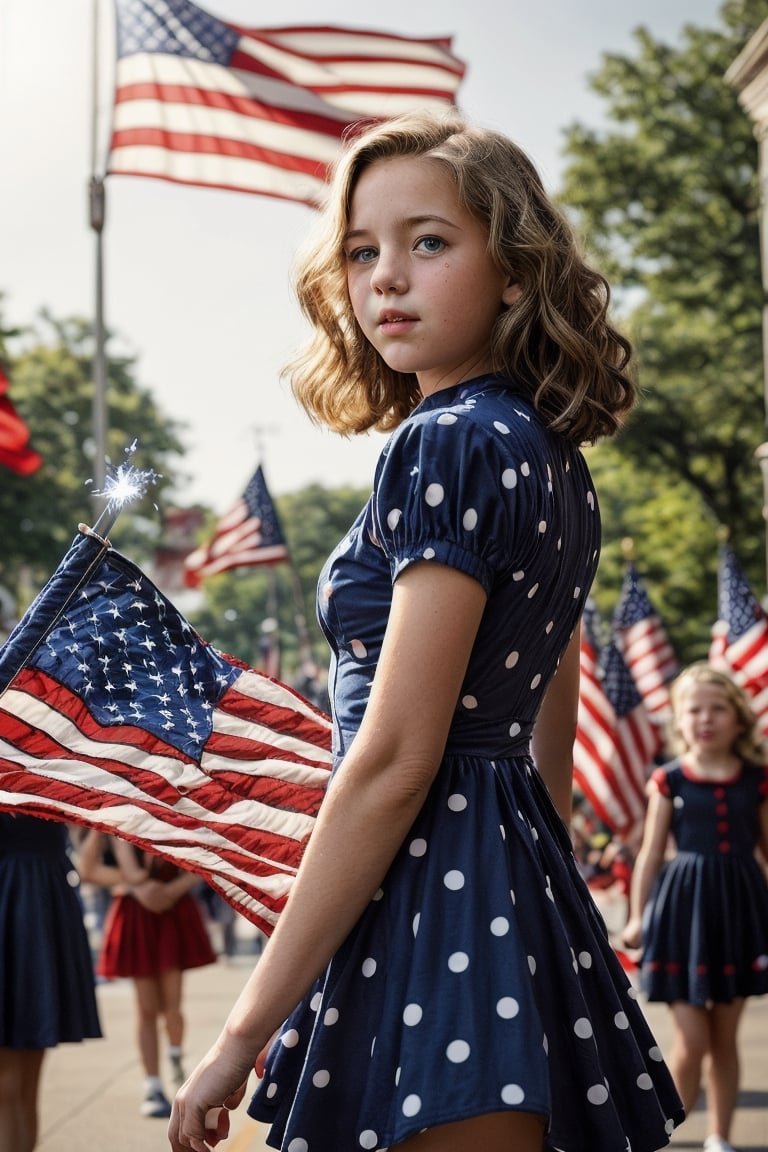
x=153 y=932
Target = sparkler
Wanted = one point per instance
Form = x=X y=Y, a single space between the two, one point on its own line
x=123 y=485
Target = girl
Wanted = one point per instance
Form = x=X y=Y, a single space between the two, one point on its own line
x=152 y=933
x=47 y=994
x=703 y=915
x=447 y=980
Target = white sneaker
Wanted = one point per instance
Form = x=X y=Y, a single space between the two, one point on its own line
x=155 y=1104
x=717 y=1144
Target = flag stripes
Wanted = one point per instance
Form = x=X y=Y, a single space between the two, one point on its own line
x=645 y=645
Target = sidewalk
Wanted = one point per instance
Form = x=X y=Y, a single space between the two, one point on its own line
x=91 y=1092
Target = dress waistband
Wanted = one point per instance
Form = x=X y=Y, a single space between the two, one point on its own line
x=517 y=745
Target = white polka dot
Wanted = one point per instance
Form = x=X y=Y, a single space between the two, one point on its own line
x=585 y=959
x=532 y=591
x=532 y=965
x=644 y=1081
x=316 y=1001
x=271 y=1090
x=457 y=802
x=454 y=880
x=469 y=519
x=457 y=1051
x=397 y=1077
x=321 y=1078
x=373 y=1046
x=512 y=895
x=512 y=1094
x=290 y=1038
x=519 y=575
x=542 y=527
x=591 y=499
x=656 y=1053
x=393 y=518
x=368 y=1139
x=412 y=1014
x=358 y=649
x=415 y=924
x=298 y=1145
x=417 y=847
x=369 y=967
x=447 y=418
x=597 y=1094
x=469 y=701
x=503 y=428
x=509 y=478
x=549 y=627
x=331 y=1017
x=633 y=993
x=669 y=1127
x=512 y=659
x=576 y=592
x=500 y=926
x=412 y=1105
x=458 y=962
x=536 y=681
x=378 y=894
x=507 y=1007
x=525 y=469
x=621 y=1021
x=678 y=802
x=428 y=554
x=514 y=729
x=434 y=495
x=583 y=1028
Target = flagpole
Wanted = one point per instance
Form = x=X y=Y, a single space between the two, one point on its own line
x=97 y=207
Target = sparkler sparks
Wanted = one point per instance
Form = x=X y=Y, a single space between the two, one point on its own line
x=123 y=484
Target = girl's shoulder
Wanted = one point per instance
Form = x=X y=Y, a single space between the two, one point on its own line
x=667 y=778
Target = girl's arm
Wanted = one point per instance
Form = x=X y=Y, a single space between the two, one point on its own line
x=555 y=730
x=89 y=861
x=370 y=805
x=658 y=820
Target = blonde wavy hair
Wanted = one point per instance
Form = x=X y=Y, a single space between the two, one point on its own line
x=555 y=343
x=749 y=744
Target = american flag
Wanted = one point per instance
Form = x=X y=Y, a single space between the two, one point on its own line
x=616 y=741
x=203 y=101
x=740 y=636
x=116 y=715
x=645 y=645
x=248 y=534
x=15 y=452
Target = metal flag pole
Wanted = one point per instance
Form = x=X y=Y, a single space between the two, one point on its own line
x=97 y=205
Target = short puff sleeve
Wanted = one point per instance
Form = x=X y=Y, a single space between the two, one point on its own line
x=447 y=490
x=660 y=781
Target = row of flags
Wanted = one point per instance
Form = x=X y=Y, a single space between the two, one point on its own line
x=624 y=702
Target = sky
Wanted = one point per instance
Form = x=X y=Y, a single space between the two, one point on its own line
x=197 y=281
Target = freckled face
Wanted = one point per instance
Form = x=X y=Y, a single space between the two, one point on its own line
x=422 y=285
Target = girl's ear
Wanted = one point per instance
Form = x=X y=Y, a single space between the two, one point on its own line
x=511 y=294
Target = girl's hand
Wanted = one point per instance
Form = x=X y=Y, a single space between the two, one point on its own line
x=632 y=935
x=200 y=1115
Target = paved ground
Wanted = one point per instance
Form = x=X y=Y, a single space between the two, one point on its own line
x=91 y=1091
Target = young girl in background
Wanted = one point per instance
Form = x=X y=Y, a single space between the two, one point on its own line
x=702 y=916
x=447 y=981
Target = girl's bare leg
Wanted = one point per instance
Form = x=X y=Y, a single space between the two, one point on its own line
x=170 y=992
x=723 y=1071
x=494 y=1132
x=148 y=1008
x=20 y=1071
x=689 y=1047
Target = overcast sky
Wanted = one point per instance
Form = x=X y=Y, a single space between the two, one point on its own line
x=197 y=281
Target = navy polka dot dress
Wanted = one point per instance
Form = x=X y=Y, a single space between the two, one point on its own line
x=480 y=977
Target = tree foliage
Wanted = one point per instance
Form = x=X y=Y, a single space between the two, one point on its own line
x=52 y=390
x=667 y=198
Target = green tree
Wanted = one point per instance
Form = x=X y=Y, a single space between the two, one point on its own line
x=667 y=198
x=52 y=391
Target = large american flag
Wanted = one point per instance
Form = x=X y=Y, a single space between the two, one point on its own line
x=200 y=100
x=116 y=715
x=248 y=534
x=739 y=642
x=15 y=450
x=616 y=741
x=645 y=645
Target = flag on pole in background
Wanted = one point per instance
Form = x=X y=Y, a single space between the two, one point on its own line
x=645 y=645
x=616 y=741
x=199 y=100
x=116 y=715
x=15 y=452
x=248 y=534
x=740 y=635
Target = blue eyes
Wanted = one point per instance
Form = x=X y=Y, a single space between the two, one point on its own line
x=431 y=245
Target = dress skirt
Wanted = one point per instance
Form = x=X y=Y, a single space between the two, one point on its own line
x=138 y=942
x=480 y=978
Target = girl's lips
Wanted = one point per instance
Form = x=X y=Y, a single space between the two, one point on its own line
x=395 y=322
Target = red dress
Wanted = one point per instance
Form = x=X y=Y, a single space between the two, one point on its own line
x=138 y=942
